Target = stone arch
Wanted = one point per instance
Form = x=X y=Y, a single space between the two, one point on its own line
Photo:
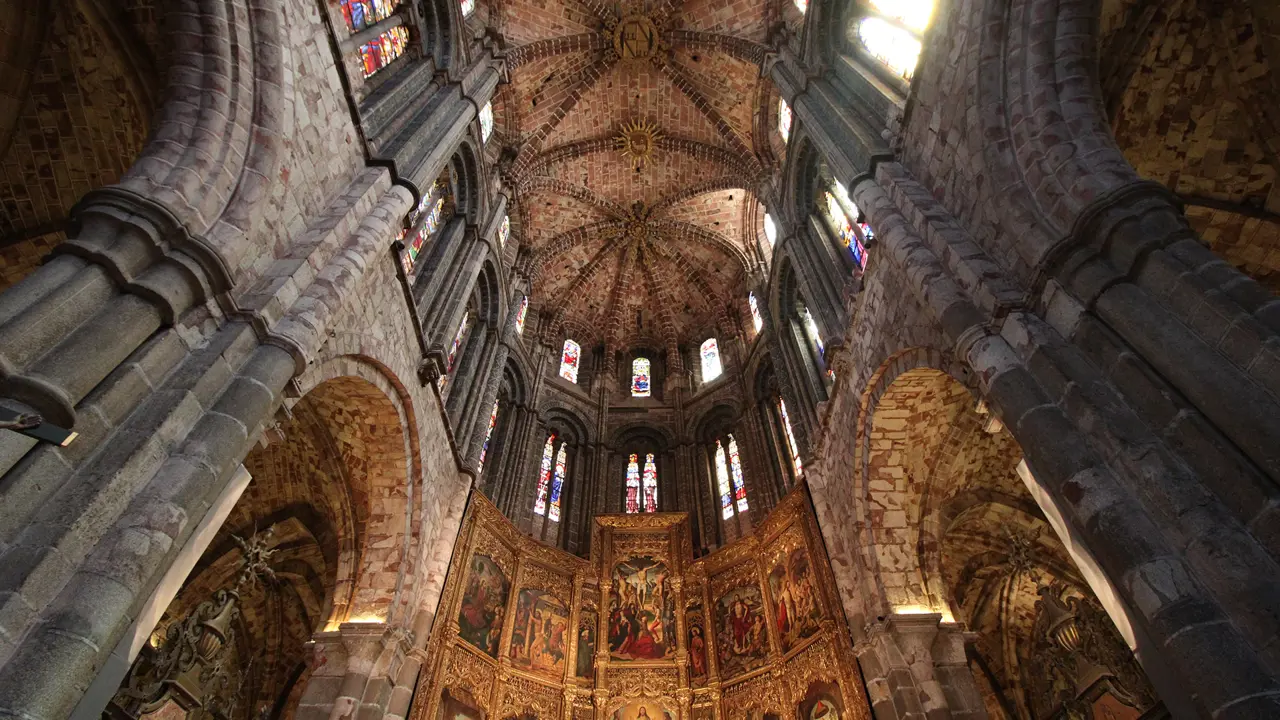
x=440 y=31
x=373 y=448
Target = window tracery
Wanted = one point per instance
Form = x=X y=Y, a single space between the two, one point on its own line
x=569 y=361
x=424 y=221
x=711 y=367
x=640 y=377
x=641 y=486
x=379 y=52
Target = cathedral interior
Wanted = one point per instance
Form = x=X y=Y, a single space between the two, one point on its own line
x=639 y=359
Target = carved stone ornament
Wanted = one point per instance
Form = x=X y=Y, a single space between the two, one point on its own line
x=636 y=141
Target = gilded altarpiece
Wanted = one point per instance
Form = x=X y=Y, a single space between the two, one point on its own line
x=642 y=630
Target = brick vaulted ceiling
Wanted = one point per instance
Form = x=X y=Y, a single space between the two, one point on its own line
x=627 y=253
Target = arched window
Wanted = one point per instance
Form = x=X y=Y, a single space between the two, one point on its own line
x=544 y=476
x=521 y=314
x=811 y=328
x=488 y=435
x=756 y=320
x=379 y=52
x=735 y=470
x=893 y=34
x=770 y=229
x=468 y=7
x=569 y=361
x=360 y=14
x=633 y=484
x=791 y=438
x=733 y=491
x=650 y=481
x=841 y=212
x=427 y=218
x=461 y=335
x=803 y=5
x=711 y=367
x=486 y=122
x=784 y=120
x=557 y=484
x=504 y=230
x=640 y=377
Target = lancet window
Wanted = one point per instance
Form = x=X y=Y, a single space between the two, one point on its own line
x=756 y=320
x=711 y=367
x=733 y=491
x=425 y=221
x=504 y=230
x=458 y=338
x=641 y=485
x=379 y=52
x=811 y=328
x=468 y=7
x=569 y=361
x=842 y=214
x=892 y=34
x=486 y=122
x=488 y=435
x=784 y=120
x=640 y=377
x=770 y=229
x=557 y=485
x=521 y=314
x=791 y=438
x=544 y=476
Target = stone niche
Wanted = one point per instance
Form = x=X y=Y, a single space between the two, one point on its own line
x=641 y=631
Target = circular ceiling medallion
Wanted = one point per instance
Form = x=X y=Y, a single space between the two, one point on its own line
x=635 y=38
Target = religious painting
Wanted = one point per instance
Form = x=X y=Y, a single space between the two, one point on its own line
x=455 y=708
x=483 y=604
x=797 y=611
x=642 y=618
x=741 y=637
x=821 y=702
x=539 y=635
x=642 y=710
x=587 y=623
x=697 y=645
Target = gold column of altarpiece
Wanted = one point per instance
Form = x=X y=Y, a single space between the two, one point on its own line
x=749 y=632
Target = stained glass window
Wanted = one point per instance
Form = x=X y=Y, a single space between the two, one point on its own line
x=360 y=14
x=633 y=484
x=557 y=484
x=770 y=229
x=425 y=220
x=722 y=483
x=453 y=349
x=811 y=327
x=569 y=361
x=756 y=320
x=379 y=52
x=844 y=228
x=468 y=7
x=711 y=368
x=488 y=435
x=640 y=377
x=650 y=480
x=544 y=476
x=913 y=14
x=486 y=122
x=504 y=231
x=784 y=120
x=521 y=314
x=896 y=47
x=791 y=437
x=803 y=5
x=735 y=469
